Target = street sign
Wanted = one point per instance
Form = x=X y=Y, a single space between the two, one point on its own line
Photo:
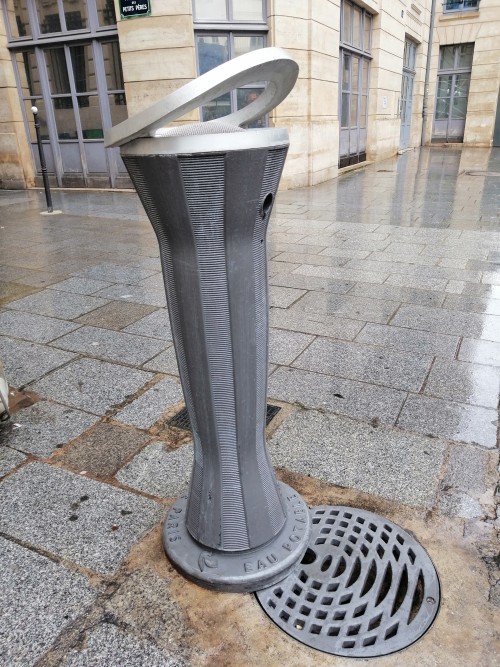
x=132 y=8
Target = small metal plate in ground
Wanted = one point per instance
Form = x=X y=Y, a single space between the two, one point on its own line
x=181 y=419
x=365 y=587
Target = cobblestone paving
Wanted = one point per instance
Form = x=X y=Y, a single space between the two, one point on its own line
x=384 y=351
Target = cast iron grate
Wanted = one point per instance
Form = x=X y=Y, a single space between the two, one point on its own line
x=181 y=419
x=364 y=588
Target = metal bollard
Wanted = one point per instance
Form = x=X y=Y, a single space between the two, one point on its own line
x=43 y=166
x=208 y=189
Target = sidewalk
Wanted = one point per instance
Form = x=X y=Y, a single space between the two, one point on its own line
x=384 y=359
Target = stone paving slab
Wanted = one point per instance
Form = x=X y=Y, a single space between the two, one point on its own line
x=85 y=286
x=480 y=291
x=296 y=248
x=336 y=250
x=36 y=328
x=92 y=385
x=466 y=481
x=45 y=426
x=13 y=291
x=156 y=281
x=109 y=646
x=103 y=450
x=9 y=458
x=165 y=362
x=156 y=325
x=116 y=315
x=57 y=304
x=38 y=599
x=285 y=346
x=464 y=382
x=356 y=308
x=419 y=282
x=341 y=273
x=390 y=368
x=351 y=454
x=26 y=362
x=116 y=274
x=158 y=471
x=146 y=606
x=346 y=397
x=456 y=421
x=439 y=320
x=311 y=283
x=420 y=342
x=280 y=267
x=419 y=297
x=69 y=515
x=111 y=345
x=12 y=273
x=318 y=325
x=314 y=260
x=282 y=297
x=480 y=351
x=135 y=294
x=472 y=304
x=148 y=408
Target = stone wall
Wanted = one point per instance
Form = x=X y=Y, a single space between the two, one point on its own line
x=394 y=20
x=483 y=28
x=16 y=162
x=309 y=31
x=157 y=51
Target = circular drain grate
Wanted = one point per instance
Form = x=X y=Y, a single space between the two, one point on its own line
x=365 y=587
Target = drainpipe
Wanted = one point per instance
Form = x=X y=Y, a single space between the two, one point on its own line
x=425 y=111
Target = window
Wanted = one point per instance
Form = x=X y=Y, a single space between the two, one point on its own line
x=409 y=55
x=455 y=66
x=66 y=60
x=355 y=28
x=229 y=10
x=34 y=19
x=245 y=31
x=460 y=5
x=355 y=46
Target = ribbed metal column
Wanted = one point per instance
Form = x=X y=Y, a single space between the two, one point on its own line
x=238 y=528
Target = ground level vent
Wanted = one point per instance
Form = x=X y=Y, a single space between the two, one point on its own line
x=181 y=419
x=364 y=588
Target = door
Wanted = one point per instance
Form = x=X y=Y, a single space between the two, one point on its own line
x=353 y=108
x=406 y=99
x=452 y=92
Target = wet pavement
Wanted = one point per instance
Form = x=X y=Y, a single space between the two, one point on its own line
x=385 y=360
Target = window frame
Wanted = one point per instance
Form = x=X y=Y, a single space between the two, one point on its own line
x=231 y=29
x=451 y=6
x=230 y=23
x=346 y=42
x=38 y=38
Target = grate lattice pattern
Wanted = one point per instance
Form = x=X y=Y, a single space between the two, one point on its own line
x=181 y=419
x=365 y=587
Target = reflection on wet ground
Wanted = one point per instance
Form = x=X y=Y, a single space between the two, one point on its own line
x=384 y=343
x=421 y=188
x=384 y=287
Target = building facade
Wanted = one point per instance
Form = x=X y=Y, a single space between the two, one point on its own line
x=365 y=77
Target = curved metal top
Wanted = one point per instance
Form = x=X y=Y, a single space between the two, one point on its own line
x=272 y=64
